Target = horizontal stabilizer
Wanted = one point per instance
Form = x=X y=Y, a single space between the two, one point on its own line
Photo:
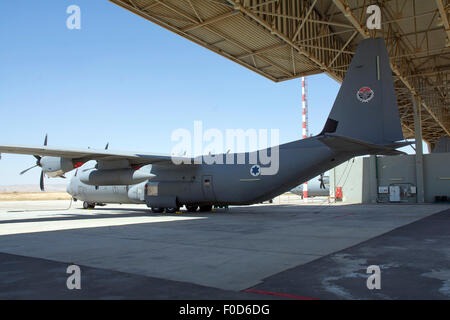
x=344 y=144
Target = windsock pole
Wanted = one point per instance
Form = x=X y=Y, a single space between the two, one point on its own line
x=304 y=128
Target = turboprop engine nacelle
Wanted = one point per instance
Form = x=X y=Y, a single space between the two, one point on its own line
x=137 y=192
x=114 y=177
x=56 y=166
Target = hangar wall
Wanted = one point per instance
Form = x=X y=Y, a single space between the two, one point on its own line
x=377 y=178
x=443 y=145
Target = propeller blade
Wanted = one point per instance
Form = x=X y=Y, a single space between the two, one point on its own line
x=41 y=182
x=46 y=140
x=107 y=146
x=26 y=170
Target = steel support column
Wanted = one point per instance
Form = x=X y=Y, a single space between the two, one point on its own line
x=419 y=150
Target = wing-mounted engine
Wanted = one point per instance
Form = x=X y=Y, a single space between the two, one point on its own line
x=113 y=168
x=57 y=166
x=114 y=177
x=116 y=173
x=53 y=166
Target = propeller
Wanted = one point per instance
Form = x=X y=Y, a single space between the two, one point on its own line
x=41 y=181
x=322 y=184
x=38 y=164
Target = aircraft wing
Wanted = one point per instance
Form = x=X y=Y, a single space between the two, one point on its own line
x=84 y=155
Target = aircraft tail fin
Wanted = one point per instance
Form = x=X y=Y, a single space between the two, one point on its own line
x=366 y=107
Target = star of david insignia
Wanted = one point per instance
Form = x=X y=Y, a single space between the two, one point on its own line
x=255 y=170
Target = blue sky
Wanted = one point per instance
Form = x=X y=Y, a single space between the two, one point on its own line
x=126 y=81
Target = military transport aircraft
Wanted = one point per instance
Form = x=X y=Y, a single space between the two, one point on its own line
x=364 y=120
x=317 y=187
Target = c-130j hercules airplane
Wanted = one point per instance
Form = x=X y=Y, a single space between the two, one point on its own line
x=364 y=120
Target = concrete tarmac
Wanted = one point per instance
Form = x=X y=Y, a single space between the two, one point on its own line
x=216 y=255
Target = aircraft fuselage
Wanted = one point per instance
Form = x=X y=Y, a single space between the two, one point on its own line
x=221 y=184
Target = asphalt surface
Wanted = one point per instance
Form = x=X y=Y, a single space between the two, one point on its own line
x=270 y=251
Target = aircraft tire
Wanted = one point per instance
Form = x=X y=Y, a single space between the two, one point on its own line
x=172 y=210
x=205 y=208
x=192 y=208
x=88 y=205
x=157 y=210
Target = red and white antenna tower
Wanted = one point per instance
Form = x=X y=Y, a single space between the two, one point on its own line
x=305 y=131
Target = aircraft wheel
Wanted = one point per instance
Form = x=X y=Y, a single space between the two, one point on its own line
x=157 y=210
x=192 y=208
x=87 y=205
x=205 y=208
x=172 y=210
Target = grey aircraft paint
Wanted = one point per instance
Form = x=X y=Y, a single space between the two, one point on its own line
x=364 y=120
x=121 y=194
x=314 y=187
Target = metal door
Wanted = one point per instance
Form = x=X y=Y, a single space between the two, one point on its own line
x=207 y=186
x=394 y=193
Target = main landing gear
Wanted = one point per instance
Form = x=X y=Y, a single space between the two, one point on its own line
x=189 y=208
x=167 y=210
x=194 y=208
x=205 y=208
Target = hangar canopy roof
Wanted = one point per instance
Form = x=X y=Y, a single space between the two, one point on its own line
x=287 y=39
